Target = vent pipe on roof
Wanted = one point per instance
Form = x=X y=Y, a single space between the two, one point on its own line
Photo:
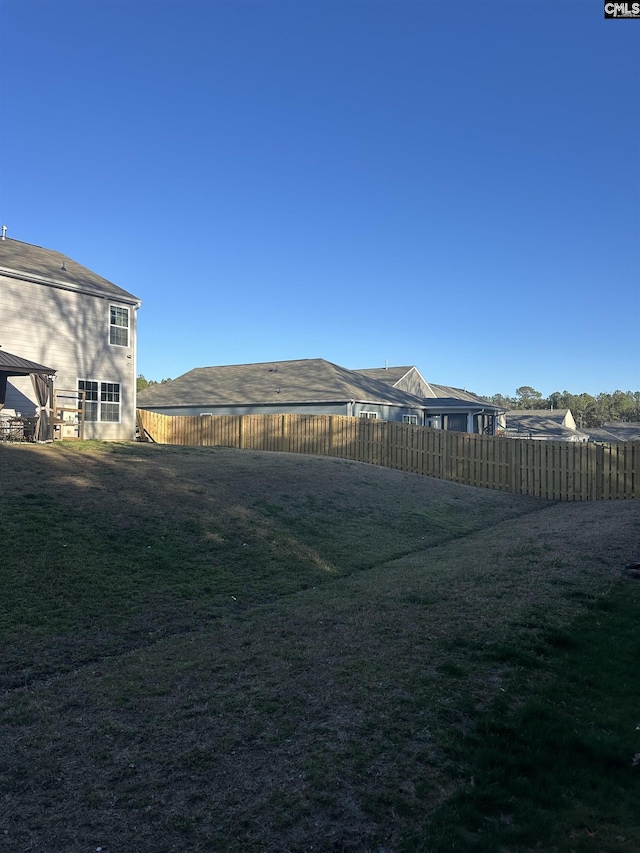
x=4 y=231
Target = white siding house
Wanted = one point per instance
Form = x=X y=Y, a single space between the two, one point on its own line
x=56 y=312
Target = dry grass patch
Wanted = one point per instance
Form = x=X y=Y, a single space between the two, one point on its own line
x=292 y=668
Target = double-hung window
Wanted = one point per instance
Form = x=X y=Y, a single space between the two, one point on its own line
x=90 y=389
x=118 y=326
x=101 y=401
x=110 y=402
x=409 y=419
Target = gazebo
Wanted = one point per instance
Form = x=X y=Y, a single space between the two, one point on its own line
x=42 y=379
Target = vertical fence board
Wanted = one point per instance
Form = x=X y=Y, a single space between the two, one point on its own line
x=551 y=469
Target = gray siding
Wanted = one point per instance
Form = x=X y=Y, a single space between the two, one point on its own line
x=384 y=412
x=68 y=331
x=293 y=408
x=413 y=383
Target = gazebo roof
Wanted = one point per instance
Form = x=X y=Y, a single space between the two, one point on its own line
x=15 y=365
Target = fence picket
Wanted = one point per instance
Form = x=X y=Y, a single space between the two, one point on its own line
x=549 y=469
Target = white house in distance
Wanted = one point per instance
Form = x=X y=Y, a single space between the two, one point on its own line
x=57 y=313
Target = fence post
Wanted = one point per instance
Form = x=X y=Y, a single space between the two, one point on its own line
x=241 y=432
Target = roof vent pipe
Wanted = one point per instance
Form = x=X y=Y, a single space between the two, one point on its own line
x=4 y=231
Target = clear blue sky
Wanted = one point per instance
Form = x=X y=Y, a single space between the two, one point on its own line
x=450 y=185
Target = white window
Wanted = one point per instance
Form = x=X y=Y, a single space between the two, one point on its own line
x=110 y=402
x=370 y=415
x=90 y=399
x=410 y=419
x=118 y=326
x=101 y=401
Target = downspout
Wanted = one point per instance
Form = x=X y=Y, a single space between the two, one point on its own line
x=472 y=415
x=134 y=365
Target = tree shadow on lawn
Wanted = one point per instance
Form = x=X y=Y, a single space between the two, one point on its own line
x=106 y=546
x=304 y=710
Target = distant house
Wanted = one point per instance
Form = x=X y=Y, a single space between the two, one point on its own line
x=542 y=424
x=58 y=314
x=445 y=407
x=307 y=386
x=310 y=386
x=614 y=431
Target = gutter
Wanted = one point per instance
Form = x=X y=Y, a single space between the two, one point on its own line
x=277 y=402
x=127 y=297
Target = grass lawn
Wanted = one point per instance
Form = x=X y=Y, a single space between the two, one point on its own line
x=221 y=650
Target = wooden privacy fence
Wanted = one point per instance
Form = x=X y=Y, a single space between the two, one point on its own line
x=559 y=470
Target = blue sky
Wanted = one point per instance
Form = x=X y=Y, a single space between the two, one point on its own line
x=450 y=185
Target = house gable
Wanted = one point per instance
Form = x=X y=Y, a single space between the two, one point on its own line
x=407 y=379
x=58 y=313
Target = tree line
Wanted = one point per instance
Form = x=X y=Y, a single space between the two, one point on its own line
x=142 y=382
x=587 y=410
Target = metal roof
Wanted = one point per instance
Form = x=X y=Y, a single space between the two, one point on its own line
x=14 y=365
x=302 y=381
x=44 y=266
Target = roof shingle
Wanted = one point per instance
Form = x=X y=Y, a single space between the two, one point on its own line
x=300 y=381
x=23 y=260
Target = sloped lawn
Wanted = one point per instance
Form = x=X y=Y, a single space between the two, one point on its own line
x=207 y=649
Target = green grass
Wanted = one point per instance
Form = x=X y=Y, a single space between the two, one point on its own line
x=104 y=551
x=237 y=651
x=555 y=771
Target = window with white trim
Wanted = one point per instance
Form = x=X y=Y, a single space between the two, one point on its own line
x=118 y=326
x=410 y=419
x=370 y=415
x=90 y=399
x=101 y=401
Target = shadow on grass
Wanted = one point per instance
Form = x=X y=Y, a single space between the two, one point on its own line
x=274 y=696
x=106 y=546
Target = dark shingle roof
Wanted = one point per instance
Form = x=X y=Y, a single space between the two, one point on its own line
x=390 y=375
x=306 y=380
x=549 y=414
x=446 y=392
x=22 y=260
x=545 y=422
x=615 y=431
